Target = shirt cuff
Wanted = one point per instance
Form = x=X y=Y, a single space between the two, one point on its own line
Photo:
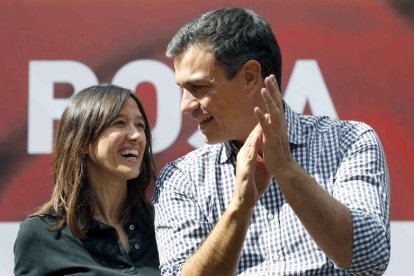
x=370 y=246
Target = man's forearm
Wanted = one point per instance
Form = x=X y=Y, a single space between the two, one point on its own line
x=328 y=221
x=219 y=254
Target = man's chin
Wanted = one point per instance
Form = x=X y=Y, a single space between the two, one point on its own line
x=212 y=140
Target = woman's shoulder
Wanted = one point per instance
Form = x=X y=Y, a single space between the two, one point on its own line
x=36 y=228
x=38 y=247
x=39 y=222
x=28 y=246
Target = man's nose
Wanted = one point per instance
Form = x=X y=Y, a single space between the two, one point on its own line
x=188 y=102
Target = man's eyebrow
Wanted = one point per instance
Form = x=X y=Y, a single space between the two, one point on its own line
x=195 y=81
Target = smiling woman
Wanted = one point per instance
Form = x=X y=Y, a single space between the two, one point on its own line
x=98 y=220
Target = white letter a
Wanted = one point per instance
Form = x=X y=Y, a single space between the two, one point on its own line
x=306 y=84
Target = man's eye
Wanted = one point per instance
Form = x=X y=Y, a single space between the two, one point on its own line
x=196 y=87
x=199 y=90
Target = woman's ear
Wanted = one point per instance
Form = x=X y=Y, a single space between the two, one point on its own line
x=252 y=76
x=86 y=151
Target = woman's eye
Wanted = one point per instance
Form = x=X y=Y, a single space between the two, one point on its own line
x=119 y=123
x=140 y=125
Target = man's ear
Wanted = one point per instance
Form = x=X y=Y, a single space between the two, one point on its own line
x=252 y=76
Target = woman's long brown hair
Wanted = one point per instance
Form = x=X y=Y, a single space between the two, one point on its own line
x=83 y=120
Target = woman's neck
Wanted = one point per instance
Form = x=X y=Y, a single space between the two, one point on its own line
x=109 y=200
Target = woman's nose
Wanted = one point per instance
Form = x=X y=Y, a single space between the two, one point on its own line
x=135 y=133
x=188 y=102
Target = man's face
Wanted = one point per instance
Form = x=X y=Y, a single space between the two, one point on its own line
x=221 y=107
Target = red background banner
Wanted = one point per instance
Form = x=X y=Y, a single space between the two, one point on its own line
x=364 y=50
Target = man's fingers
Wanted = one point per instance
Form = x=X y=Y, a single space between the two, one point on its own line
x=256 y=134
x=271 y=95
x=273 y=88
x=271 y=105
x=274 y=103
x=264 y=121
x=251 y=146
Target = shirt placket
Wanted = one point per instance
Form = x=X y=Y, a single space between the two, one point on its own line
x=272 y=235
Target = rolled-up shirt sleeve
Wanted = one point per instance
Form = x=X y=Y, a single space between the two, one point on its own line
x=180 y=226
x=362 y=184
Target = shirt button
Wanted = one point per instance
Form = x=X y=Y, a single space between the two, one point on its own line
x=270 y=216
x=131 y=227
x=136 y=246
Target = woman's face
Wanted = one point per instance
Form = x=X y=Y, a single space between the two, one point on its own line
x=117 y=153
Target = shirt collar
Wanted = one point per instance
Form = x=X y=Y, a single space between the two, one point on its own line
x=294 y=130
x=227 y=151
x=137 y=219
x=294 y=127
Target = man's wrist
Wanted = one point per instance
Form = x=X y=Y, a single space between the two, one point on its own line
x=238 y=210
x=291 y=173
